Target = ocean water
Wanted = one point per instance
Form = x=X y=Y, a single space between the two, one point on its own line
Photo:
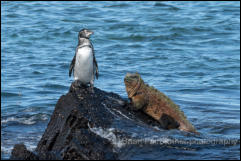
x=188 y=50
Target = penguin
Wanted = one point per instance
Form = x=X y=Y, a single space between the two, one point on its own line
x=84 y=65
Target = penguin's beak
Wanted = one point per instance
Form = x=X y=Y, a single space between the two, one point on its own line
x=89 y=32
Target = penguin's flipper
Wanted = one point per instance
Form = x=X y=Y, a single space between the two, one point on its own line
x=96 y=67
x=95 y=62
x=71 y=68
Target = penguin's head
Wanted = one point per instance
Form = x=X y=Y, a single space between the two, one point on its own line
x=84 y=33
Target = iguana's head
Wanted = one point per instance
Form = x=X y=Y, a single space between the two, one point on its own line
x=133 y=83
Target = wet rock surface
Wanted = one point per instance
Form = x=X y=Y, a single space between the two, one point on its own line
x=84 y=125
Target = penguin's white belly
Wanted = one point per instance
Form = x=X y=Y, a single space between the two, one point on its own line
x=83 y=70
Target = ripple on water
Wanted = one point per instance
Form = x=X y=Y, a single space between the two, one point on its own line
x=9 y=94
x=54 y=86
x=24 y=119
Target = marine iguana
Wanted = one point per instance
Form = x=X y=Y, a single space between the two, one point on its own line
x=156 y=104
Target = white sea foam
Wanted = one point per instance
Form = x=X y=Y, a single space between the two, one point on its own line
x=31 y=146
x=44 y=117
x=27 y=121
x=108 y=134
x=7 y=120
x=5 y=149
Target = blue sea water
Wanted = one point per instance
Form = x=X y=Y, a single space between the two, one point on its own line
x=188 y=50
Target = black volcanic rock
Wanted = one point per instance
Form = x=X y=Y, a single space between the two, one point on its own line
x=20 y=152
x=69 y=134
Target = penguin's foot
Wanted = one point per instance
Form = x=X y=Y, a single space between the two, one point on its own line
x=78 y=84
x=91 y=88
x=74 y=86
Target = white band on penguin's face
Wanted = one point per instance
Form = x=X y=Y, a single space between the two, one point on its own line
x=88 y=33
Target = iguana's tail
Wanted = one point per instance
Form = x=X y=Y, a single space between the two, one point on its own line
x=188 y=127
